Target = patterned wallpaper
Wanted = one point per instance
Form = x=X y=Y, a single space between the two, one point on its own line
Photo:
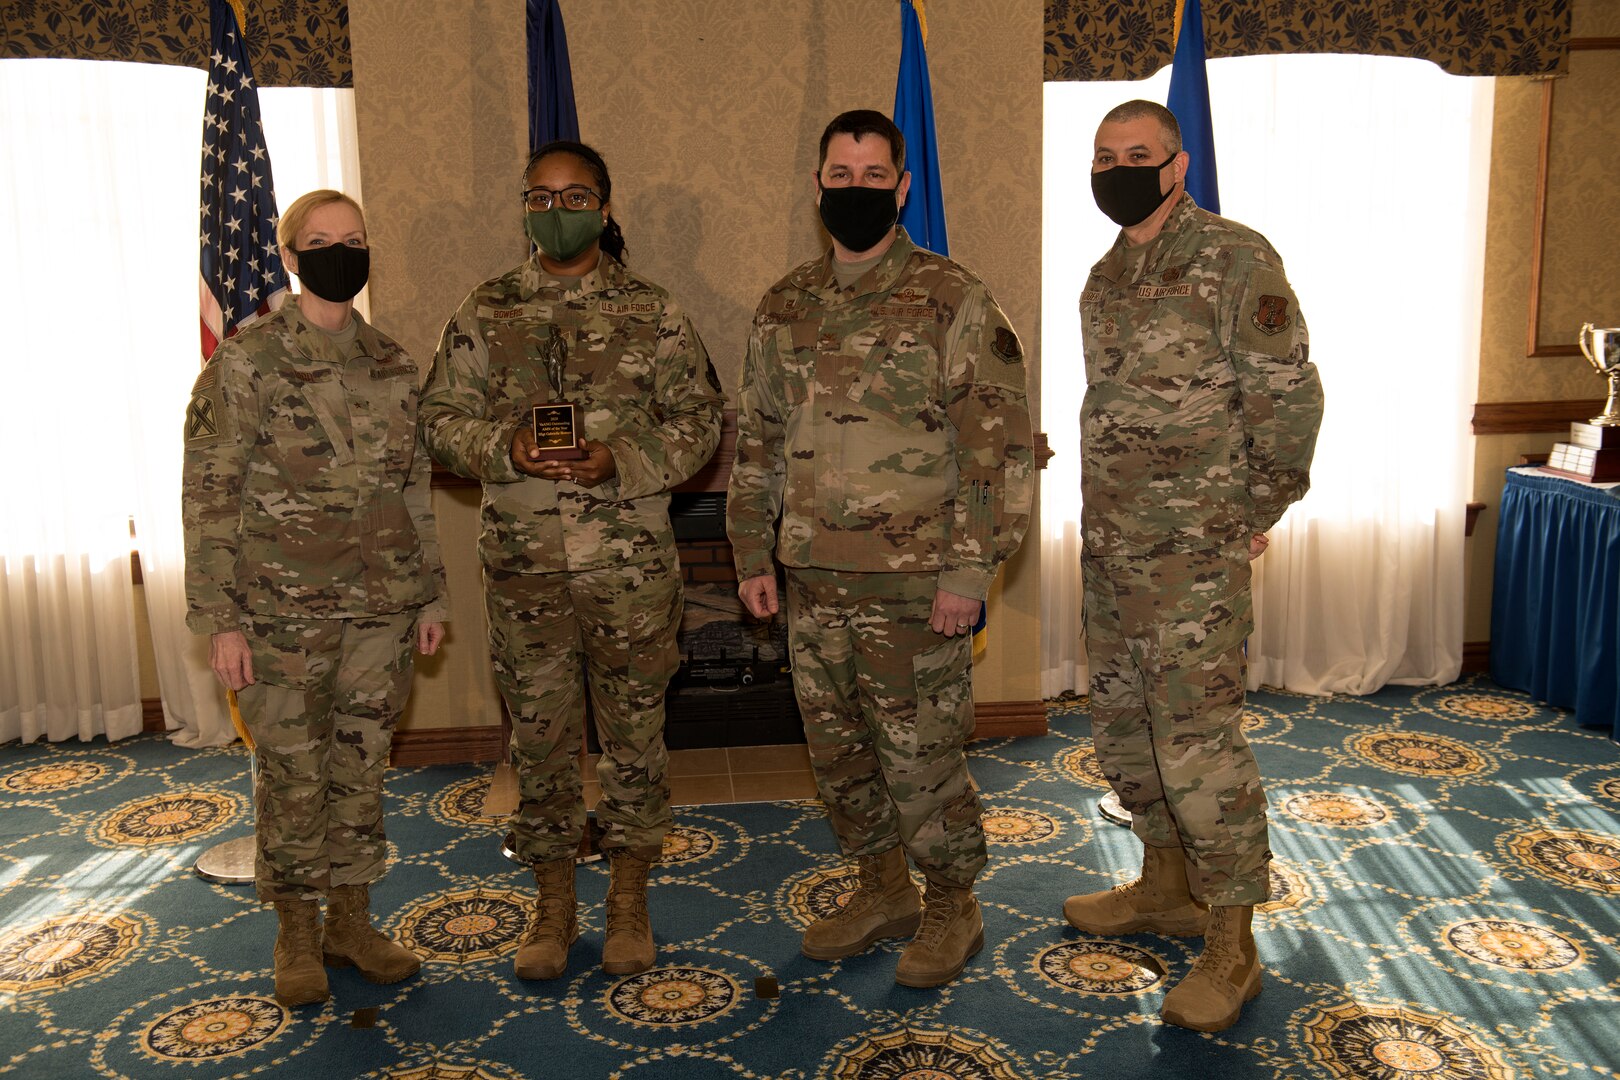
x=290 y=42
x=708 y=116
x=1583 y=207
x=1092 y=39
x=1583 y=220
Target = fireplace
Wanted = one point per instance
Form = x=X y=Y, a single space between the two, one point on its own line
x=734 y=687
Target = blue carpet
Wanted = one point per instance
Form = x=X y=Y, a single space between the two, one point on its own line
x=1445 y=902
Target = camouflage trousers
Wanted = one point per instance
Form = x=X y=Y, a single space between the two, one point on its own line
x=887 y=706
x=553 y=635
x=321 y=711
x=1164 y=640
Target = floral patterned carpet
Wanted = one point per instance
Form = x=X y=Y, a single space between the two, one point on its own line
x=1445 y=903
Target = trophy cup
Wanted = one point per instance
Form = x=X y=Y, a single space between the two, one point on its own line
x=1604 y=353
x=556 y=422
x=1593 y=450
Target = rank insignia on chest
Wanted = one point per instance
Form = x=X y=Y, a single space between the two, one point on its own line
x=1005 y=346
x=829 y=342
x=1271 y=314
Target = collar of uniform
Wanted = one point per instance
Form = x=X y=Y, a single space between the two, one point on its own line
x=823 y=283
x=534 y=279
x=313 y=343
x=1122 y=257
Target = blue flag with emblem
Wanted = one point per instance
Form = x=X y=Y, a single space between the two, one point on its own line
x=241 y=276
x=924 y=213
x=1189 y=100
x=552 y=114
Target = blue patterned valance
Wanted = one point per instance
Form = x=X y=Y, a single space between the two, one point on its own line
x=290 y=42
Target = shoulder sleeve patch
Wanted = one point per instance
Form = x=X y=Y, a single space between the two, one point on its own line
x=1268 y=318
x=203 y=417
x=1005 y=346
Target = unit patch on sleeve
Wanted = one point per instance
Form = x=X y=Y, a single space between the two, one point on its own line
x=1271 y=314
x=203 y=414
x=1006 y=346
x=1267 y=319
x=202 y=421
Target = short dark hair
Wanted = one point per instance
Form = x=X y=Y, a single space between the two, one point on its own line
x=862 y=122
x=1169 y=127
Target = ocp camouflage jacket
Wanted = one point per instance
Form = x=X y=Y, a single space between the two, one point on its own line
x=644 y=386
x=1202 y=407
x=885 y=423
x=305 y=494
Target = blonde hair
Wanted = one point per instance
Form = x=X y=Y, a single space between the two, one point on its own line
x=297 y=214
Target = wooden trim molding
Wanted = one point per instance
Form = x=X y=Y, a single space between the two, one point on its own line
x=1533 y=346
x=1008 y=719
x=448 y=746
x=417 y=746
x=1476 y=657
x=1532 y=417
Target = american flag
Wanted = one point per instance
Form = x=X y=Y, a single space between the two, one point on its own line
x=242 y=275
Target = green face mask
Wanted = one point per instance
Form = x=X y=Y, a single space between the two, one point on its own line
x=562 y=234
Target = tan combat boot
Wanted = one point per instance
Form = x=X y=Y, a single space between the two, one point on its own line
x=543 y=952
x=300 y=978
x=349 y=939
x=952 y=932
x=628 y=947
x=884 y=904
x=1225 y=975
x=1158 y=901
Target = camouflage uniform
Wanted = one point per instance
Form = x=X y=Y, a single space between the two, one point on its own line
x=571 y=570
x=1197 y=431
x=886 y=424
x=308 y=526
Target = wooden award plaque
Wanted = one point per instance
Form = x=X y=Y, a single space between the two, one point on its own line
x=557 y=431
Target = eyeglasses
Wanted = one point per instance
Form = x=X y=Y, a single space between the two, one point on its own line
x=577 y=197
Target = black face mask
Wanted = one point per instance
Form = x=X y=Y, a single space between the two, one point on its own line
x=1129 y=193
x=858 y=217
x=336 y=272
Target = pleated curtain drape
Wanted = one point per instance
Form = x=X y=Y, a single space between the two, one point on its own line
x=98 y=263
x=1337 y=160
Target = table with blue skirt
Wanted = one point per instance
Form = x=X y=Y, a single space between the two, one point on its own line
x=1555 y=601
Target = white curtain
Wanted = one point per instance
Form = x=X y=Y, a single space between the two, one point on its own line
x=98 y=262
x=1369 y=176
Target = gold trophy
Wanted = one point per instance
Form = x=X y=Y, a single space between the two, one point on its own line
x=1593 y=450
x=556 y=422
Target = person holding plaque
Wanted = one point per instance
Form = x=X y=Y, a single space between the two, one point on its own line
x=312 y=561
x=579 y=394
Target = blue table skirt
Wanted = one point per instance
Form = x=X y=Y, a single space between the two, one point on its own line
x=1555 y=603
